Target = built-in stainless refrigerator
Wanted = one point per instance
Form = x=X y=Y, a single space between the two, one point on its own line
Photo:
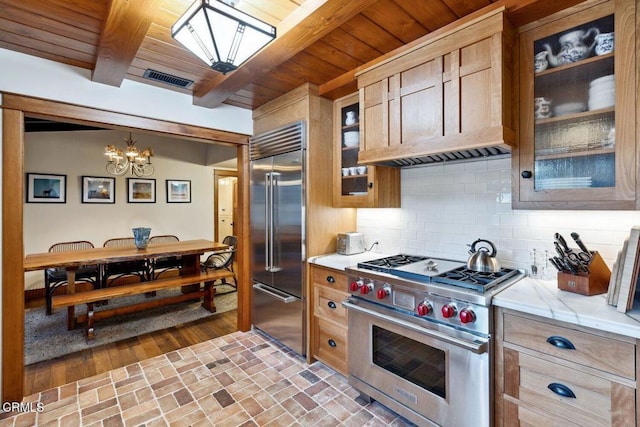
x=277 y=234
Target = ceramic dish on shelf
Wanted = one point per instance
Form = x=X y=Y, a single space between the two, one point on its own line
x=558 y=183
x=351 y=139
x=608 y=79
x=568 y=108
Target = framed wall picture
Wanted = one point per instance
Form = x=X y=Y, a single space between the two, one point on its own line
x=141 y=190
x=46 y=188
x=98 y=189
x=178 y=191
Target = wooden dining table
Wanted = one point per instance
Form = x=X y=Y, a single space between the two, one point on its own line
x=189 y=251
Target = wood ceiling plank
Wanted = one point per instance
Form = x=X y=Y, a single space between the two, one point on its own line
x=28 y=18
x=316 y=69
x=44 y=54
x=313 y=20
x=370 y=33
x=351 y=45
x=395 y=20
x=61 y=53
x=124 y=30
x=521 y=12
x=333 y=56
x=432 y=15
x=464 y=7
x=62 y=10
x=47 y=37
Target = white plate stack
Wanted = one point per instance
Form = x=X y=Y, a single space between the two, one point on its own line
x=351 y=138
x=569 y=182
x=602 y=93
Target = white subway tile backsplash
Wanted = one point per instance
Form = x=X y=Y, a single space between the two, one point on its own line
x=445 y=207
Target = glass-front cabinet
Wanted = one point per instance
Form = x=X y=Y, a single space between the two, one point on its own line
x=357 y=185
x=577 y=109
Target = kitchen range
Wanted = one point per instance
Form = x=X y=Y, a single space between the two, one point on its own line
x=420 y=333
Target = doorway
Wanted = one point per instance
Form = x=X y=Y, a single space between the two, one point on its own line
x=225 y=196
x=14 y=108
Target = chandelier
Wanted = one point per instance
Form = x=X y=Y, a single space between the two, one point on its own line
x=131 y=160
x=221 y=35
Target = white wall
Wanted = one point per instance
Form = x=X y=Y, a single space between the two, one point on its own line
x=31 y=76
x=79 y=153
x=446 y=207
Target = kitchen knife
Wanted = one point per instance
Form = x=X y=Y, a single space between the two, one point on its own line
x=563 y=243
x=559 y=250
x=580 y=243
x=567 y=267
x=555 y=264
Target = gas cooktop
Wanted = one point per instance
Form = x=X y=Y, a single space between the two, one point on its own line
x=437 y=270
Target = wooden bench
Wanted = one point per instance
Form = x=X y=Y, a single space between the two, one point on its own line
x=95 y=295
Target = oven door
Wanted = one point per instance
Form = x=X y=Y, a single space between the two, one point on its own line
x=431 y=375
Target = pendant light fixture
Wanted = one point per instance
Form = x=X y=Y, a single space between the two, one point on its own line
x=220 y=35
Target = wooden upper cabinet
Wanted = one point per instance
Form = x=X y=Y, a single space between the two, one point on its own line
x=577 y=144
x=449 y=92
x=356 y=185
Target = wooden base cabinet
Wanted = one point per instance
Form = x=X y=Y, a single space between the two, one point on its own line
x=329 y=321
x=554 y=373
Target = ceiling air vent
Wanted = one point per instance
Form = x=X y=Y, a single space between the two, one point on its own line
x=167 y=78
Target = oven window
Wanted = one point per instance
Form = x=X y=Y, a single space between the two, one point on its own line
x=424 y=366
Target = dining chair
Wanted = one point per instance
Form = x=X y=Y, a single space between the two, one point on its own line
x=223 y=259
x=114 y=270
x=160 y=265
x=56 y=277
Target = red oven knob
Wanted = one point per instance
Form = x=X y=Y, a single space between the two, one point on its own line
x=467 y=315
x=448 y=311
x=383 y=293
x=424 y=308
x=366 y=288
x=355 y=285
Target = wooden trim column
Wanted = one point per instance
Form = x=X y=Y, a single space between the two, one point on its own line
x=12 y=255
x=244 y=249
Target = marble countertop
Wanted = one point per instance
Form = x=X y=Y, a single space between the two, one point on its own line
x=544 y=299
x=340 y=262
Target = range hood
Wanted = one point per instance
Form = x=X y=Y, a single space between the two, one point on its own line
x=449 y=157
x=495 y=142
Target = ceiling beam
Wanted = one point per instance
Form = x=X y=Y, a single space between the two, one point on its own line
x=124 y=30
x=308 y=24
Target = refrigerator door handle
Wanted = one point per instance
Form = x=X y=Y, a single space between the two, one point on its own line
x=275 y=257
x=268 y=212
x=281 y=296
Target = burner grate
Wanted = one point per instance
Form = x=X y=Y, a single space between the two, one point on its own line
x=476 y=280
x=387 y=263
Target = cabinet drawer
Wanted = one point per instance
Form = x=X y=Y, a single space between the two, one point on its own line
x=333 y=279
x=330 y=344
x=606 y=354
x=594 y=400
x=328 y=304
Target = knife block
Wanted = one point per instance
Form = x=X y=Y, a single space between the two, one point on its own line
x=594 y=283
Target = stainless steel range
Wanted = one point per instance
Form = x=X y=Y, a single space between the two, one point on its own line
x=420 y=337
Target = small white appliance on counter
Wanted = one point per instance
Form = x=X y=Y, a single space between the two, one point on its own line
x=350 y=243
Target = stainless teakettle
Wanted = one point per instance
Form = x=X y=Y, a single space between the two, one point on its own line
x=481 y=259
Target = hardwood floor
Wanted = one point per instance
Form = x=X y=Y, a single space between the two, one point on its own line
x=63 y=370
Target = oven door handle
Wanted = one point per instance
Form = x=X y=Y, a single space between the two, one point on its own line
x=477 y=347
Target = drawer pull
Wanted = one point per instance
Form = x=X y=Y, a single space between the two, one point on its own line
x=332 y=343
x=332 y=305
x=331 y=279
x=561 y=342
x=561 y=390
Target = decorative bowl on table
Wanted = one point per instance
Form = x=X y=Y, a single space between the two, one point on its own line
x=141 y=236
